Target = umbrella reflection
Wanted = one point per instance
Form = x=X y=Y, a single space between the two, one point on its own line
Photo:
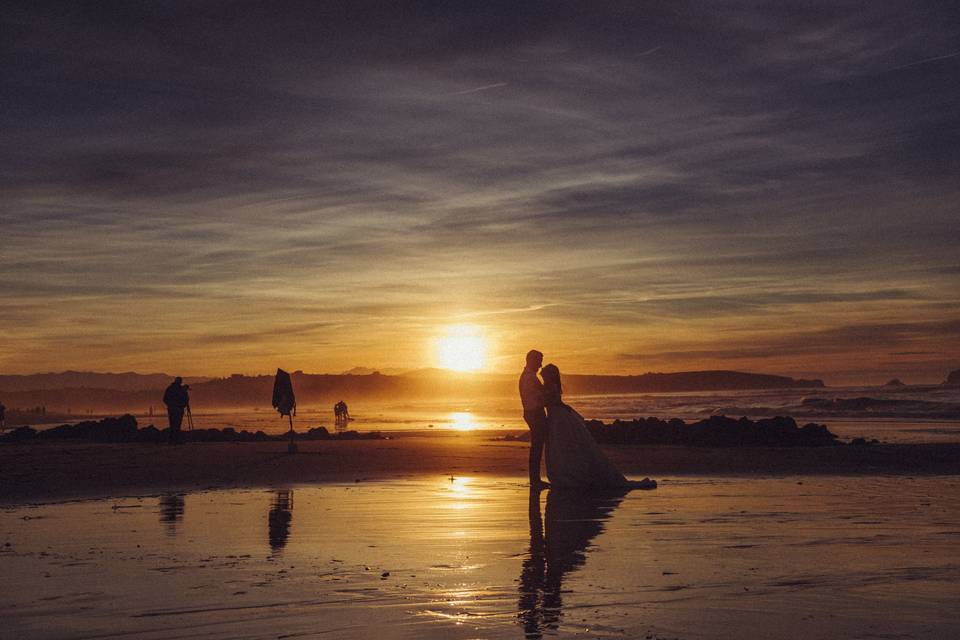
x=573 y=520
x=279 y=517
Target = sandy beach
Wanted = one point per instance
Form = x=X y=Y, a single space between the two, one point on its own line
x=478 y=557
x=51 y=471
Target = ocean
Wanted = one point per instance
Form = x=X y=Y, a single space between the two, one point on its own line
x=889 y=414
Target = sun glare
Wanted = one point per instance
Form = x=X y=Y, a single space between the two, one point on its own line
x=462 y=349
x=462 y=421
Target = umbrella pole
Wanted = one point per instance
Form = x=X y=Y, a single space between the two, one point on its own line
x=291 y=446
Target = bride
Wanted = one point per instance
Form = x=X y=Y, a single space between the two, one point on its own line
x=573 y=458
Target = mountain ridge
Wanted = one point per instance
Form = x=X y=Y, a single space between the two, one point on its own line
x=140 y=391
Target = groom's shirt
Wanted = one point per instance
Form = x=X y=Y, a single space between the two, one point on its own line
x=531 y=392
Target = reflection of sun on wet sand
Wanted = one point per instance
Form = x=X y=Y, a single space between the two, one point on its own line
x=479 y=557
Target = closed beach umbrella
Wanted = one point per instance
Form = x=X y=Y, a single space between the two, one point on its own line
x=285 y=402
x=283 y=399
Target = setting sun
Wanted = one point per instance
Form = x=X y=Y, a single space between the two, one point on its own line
x=462 y=349
x=462 y=421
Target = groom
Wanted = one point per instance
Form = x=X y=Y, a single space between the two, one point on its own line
x=534 y=414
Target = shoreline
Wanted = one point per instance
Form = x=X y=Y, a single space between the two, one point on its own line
x=56 y=471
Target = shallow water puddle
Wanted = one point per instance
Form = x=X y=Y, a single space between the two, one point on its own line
x=481 y=558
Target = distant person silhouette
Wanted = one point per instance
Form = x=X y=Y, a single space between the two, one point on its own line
x=3 y=416
x=534 y=414
x=176 y=397
x=341 y=415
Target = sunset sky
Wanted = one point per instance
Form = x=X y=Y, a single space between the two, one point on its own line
x=218 y=187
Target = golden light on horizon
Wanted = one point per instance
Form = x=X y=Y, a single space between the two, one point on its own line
x=463 y=421
x=463 y=349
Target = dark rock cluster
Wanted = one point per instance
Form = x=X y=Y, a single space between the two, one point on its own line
x=716 y=431
x=953 y=378
x=124 y=429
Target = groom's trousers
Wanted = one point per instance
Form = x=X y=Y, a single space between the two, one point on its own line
x=537 y=421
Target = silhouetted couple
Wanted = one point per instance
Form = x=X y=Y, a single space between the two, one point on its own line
x=177 y=399
x=574 y=460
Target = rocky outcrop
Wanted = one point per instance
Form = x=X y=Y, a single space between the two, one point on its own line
x=896 y=382
x=953 y=378
x=124 y=429
x=716 y=431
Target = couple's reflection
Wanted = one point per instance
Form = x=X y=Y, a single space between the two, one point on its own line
x=278 y=519
x=573 y=520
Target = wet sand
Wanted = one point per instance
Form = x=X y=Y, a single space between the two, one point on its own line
x=430 y=557
x=51 y=471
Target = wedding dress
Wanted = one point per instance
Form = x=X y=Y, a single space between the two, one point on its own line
x=574 y=460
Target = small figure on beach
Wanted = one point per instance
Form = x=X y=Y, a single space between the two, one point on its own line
x=534 y=414
x=573 y=458
x=3 y=417
x=177 y=399
x=341 y=415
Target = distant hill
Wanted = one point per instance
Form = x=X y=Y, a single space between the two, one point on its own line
x=366 y=371
x=136 y=392
x=127 y=381
x=682 y=381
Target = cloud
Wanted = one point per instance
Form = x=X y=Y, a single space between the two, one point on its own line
x=844 y=339
x=612 y=172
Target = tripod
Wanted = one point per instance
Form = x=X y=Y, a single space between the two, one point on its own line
x=189 y=418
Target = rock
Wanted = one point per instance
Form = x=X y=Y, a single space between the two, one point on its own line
x=20 y=434
x=122 y=429
x=317 y=433
x=715 y=431
x=896 y=382
x=953 y=378
x=149 y=434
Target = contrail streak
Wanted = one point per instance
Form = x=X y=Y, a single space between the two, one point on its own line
x=913 y=64
x=476 y=89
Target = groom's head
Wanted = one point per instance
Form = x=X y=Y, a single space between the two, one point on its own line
x=534 y=360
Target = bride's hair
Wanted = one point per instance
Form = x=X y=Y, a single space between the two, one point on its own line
x=551 y=376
